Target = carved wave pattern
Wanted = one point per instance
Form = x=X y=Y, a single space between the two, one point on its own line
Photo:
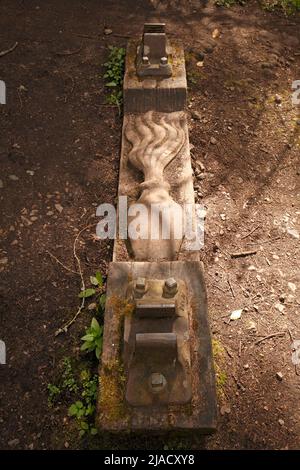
x=156 y=138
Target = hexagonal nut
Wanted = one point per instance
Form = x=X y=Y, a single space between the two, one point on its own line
x=164 y=61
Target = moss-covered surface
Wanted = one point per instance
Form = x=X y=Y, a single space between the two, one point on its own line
x=111 y=402
x=112 y=391
x=219 y=358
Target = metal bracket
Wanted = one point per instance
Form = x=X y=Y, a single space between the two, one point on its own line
x=153 y=58
x=157 y=353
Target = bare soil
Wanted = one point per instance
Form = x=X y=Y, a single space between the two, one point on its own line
x=59 y=149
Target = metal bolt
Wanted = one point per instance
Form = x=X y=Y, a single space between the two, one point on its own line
x=171 y=286
x=164 y=61
x=157 y=381
x=140 y=284
x=145 y=60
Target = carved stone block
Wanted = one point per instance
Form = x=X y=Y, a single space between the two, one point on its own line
x=151 y=93
x=144 y=401
x=157 y=370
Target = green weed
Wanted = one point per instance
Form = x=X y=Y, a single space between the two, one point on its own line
x=93 y=338
x=114 y=75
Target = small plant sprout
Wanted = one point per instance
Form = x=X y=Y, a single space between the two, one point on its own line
x=77 y=410
x=87 y=293
x=97 y=289
x=53 y=393
x=83 y=410
x=93 y=338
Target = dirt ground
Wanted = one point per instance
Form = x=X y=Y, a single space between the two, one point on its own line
x=59 y=149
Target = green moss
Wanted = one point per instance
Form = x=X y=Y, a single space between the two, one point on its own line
x=112 y=391
x=122 y=307
x=112 y=378
x=217 y=349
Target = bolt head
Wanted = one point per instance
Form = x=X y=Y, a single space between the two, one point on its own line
x=145 y=60
x=140 y=284
x=171 y=284
x=157 y=382
x=164 y=61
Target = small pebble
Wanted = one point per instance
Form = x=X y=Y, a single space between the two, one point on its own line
x=196 y=115
x=59 y=208
x=225 y=409
x=279 y=307
x=279 y=376
x=292 y=286
x=293 y=232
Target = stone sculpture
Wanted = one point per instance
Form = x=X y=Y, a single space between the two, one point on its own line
x=156 y=139
x=156 y=372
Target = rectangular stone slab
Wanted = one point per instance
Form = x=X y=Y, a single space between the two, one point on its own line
x=114 y=414
x=164 y=95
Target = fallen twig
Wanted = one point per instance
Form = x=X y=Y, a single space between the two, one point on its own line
x=250 y=233
x=228 y=352
x=291 y=336
x=7 y=51
x=59 y=262
x=220 y=288
x=280 y=333
x=231 y=288
x=86 y=36
x=243 y=253
x=67 y=325
x=66 y=53
x=261 y=242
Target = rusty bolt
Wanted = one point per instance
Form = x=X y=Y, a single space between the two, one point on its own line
x=157 y=381
x=140 y=284
x=163 y=61
x=145 y=60
x=171 y=286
